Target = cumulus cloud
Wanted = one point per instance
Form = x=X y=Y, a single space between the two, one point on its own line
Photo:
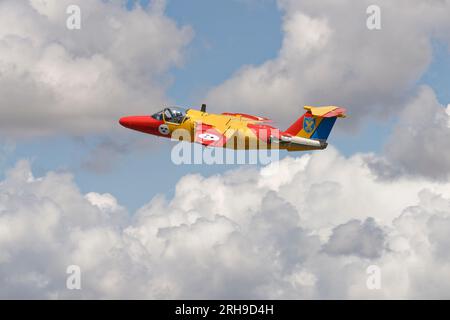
x=55 y=80
x=355 y=237
x=420 y=143
x=307 y=227
x=328 y=56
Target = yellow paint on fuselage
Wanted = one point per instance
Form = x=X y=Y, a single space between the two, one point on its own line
x=235 y=129
x=186 y=125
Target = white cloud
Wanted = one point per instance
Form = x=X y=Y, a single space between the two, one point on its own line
x=54 y=80
x=356 y=238
x=420 y=142
x=328 y=56
x=307 y=227
x=244 y=234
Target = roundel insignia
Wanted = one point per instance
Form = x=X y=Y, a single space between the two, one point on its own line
x=309 y=123
x=163 y=129
x=208 y=137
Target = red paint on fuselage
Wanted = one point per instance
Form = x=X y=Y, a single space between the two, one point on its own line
x=264 y=131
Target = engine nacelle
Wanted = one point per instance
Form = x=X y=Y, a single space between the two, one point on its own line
x=304 y=141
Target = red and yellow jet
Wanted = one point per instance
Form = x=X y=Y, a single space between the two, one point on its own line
x=239 y=130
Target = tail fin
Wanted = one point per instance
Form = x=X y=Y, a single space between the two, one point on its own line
x=316 y=123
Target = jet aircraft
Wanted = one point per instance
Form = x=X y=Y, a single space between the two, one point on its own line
x=239 y=130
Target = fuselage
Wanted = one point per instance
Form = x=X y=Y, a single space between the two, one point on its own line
x=237 y=131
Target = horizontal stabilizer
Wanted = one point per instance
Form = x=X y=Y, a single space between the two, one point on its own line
x=326 y=112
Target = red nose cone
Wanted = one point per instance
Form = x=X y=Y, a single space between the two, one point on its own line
x=140 y=123
x=125 y=121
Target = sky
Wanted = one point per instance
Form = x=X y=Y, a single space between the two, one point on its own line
x=73 y=180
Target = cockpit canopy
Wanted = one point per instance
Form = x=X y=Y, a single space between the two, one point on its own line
x=171 y=114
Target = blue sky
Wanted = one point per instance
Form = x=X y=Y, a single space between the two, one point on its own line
x=438 y=73
x=228 y=35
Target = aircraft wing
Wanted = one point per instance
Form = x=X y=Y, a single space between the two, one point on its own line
x=208 y=135
x=247 y=117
